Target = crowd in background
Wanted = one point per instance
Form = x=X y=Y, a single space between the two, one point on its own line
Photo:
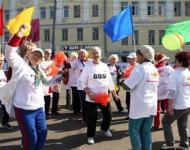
x=151 y=85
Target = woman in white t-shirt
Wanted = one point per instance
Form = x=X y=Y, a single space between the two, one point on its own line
x=164 y=72
x=179 y=102
x=143 y=83
x=96 y=79
x=116 y=73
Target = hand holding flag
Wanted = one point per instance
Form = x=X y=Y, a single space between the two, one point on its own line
x=25 y=18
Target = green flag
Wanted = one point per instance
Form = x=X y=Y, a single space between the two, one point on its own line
x=182 y=28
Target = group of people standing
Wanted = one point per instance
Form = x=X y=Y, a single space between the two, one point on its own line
x=148 y=81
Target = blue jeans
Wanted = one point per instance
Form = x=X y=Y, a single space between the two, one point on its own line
x=140 y=133
x=32 y=124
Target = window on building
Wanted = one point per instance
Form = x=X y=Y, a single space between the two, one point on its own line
x=65 y=11
x=19 y=10
x=151 y=37
x=187 y=8
x=123 y=5
x=95 y=10
x=51 y=12
x=80 y=34
x=161 y=34
x=95 y=34
x=162 y=8
x=42 y=12
x=135 y=8
x=64 y=34
x=6 y=36
x=125 y=41
x=177 y=8
x=150 y=8
x=7 y=15
x=46 y=35
x=136 y=34
x=77 y=11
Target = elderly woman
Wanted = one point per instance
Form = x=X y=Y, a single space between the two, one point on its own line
x=116 y=73
x=96 y=79
x=179 y=102
x=78 y=65
x=143 y=83
x=26 y=86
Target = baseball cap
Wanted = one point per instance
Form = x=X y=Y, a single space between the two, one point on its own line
x=38 y=50
x=132 y=55
x=148 y=52
x=160 y=57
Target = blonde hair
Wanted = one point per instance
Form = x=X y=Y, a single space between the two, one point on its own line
x=25 y=47
x=114 y=56
x=84 y=51
x=96 y=48
x=74 y=54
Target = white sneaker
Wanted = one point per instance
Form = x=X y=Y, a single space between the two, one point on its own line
x=90 y=140
x=108 y=133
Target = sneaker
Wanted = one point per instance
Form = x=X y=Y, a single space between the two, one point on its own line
x=7 y=126
x=183 y=147
x=90 y=140
x=164 y=146
x=108 y=133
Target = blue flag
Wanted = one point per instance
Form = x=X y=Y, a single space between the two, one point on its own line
x=120 y=26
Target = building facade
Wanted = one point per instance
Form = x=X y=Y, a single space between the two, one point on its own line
x=79 y=23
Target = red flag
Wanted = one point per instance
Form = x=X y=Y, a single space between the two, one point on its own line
x=1 y=20
x=35 y=31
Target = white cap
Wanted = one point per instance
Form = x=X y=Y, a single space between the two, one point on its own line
x=38 y=50
x=148 y=52
x=48 y=51
x=132 y=55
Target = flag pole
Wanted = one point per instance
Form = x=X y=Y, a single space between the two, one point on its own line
x=134 y=42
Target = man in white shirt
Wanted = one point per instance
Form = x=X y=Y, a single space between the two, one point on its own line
x=143 y=84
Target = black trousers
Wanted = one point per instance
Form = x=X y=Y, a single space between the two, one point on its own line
x=76 y=100
x=68 y=98
x=5 y=118
x=82 y=96
x=127 y=100
x=55 y=101
x=118 y=103
x=47 y=100
x=91 y=117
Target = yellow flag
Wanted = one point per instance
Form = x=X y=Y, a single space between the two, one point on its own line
x=24 y=17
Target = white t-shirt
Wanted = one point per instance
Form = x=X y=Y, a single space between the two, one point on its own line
x=113 y=72
x=97 y=78
x=78 y=65
x=164 y=73
x=72 y=78
x=180 y=82
x=44 y=65
x=3 y=78
x=143 y=83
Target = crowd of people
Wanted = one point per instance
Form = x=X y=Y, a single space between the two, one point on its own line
x=149 y=81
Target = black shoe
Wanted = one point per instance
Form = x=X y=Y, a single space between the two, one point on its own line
x=127 y=118
x=7 y=126
x=56 y=113
x=155 y=129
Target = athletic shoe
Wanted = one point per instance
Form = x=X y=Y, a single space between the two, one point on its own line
x=164 y=146
x=108 y=133
x=90 y=140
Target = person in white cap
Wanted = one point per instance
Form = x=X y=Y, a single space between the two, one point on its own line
x=131 y=60
x=24 y=92
x=143 y=83
x=47 y=92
